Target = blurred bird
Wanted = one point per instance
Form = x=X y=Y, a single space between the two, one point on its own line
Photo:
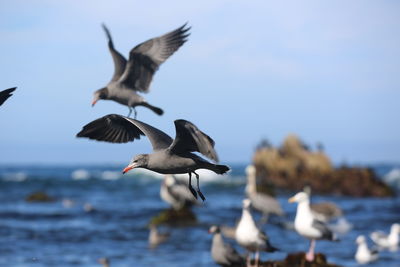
x=104 y=261
x=249 y=236
x=136 y=74
x=5 y=94
x=363 y=254
x=323 y=211
x=228 y=231
x=156 y=238
x=307 y=225
x=169 y=156
x=341 y=226
x=259 y=201
x=223 y=253
x=176 y=193
x=390 y=241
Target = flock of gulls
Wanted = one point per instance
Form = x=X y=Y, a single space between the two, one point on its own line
x=178 y=156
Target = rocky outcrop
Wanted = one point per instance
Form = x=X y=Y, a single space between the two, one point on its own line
x=172 y=217
x=39 y=197
x=294 y=165
x=298 y=260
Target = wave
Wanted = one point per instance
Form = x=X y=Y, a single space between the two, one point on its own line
x=15 y=177
x=80 y=174
x=392 y=178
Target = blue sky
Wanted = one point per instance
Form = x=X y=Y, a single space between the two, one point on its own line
x=328 y=71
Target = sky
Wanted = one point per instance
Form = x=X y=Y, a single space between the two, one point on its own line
x=328 y=71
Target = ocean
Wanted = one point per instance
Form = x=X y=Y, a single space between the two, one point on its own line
x=62 y=233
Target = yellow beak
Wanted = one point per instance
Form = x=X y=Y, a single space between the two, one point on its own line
x=291 y=200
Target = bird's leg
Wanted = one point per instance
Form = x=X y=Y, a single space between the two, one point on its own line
x=248 y=260
x=130 y=111
x=310 y=253
x=190 y=186
x=257 y=257
x=135 y=113
x=198 y=187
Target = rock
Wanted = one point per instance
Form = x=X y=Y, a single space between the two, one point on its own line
x=182 y=217
x=294 y=165
x=298 y=260
x=39 y=197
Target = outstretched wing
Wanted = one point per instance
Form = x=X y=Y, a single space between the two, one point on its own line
x=145 y=58
x=119 y=60
x=5 y=94
x=190 y=139
x=114 y=128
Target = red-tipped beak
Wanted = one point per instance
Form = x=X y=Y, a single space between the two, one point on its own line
x=127 y=169
x=94 y=103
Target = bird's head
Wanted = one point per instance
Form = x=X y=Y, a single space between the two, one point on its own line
x=395 y=228
x=299 y=197
x=139 y=161
x=169 y=180
x=360 y=240
x=251 y=170
x=99 y=94
x=246 y=203
x=214 y=229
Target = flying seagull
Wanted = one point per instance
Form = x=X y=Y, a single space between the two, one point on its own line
x=5 y=94
x=136 y=74
x=170 y=156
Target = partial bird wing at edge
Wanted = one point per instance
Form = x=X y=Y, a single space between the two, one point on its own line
x=114 y=128
x=5 y=94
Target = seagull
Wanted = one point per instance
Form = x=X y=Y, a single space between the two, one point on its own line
x=363 y=254
x=223 y=253
x=5 y=94
x=249 y=236
x=323 y=211
x=170 y=156
x=176 y=193
x=259 y=201
x=156 y=238
x=390 y=241
x=307 y=225
x=136 y=74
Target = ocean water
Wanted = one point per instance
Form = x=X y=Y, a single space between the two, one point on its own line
x=61 y=233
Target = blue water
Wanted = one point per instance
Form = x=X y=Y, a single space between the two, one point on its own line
x=52 y=234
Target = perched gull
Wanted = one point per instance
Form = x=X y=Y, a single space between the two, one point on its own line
x=363 y=254
x=5 y=94
x=307 y=225
x=170 y=156
x=156 y=238
x=390 y=241
x=323 y=211
x=176 y=193
x=223 y=253
x=249 y=236
x=259 y=201
x=136 y=74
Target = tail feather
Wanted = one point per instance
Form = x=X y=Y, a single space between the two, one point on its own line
x=156 y=110
x=221 y=169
